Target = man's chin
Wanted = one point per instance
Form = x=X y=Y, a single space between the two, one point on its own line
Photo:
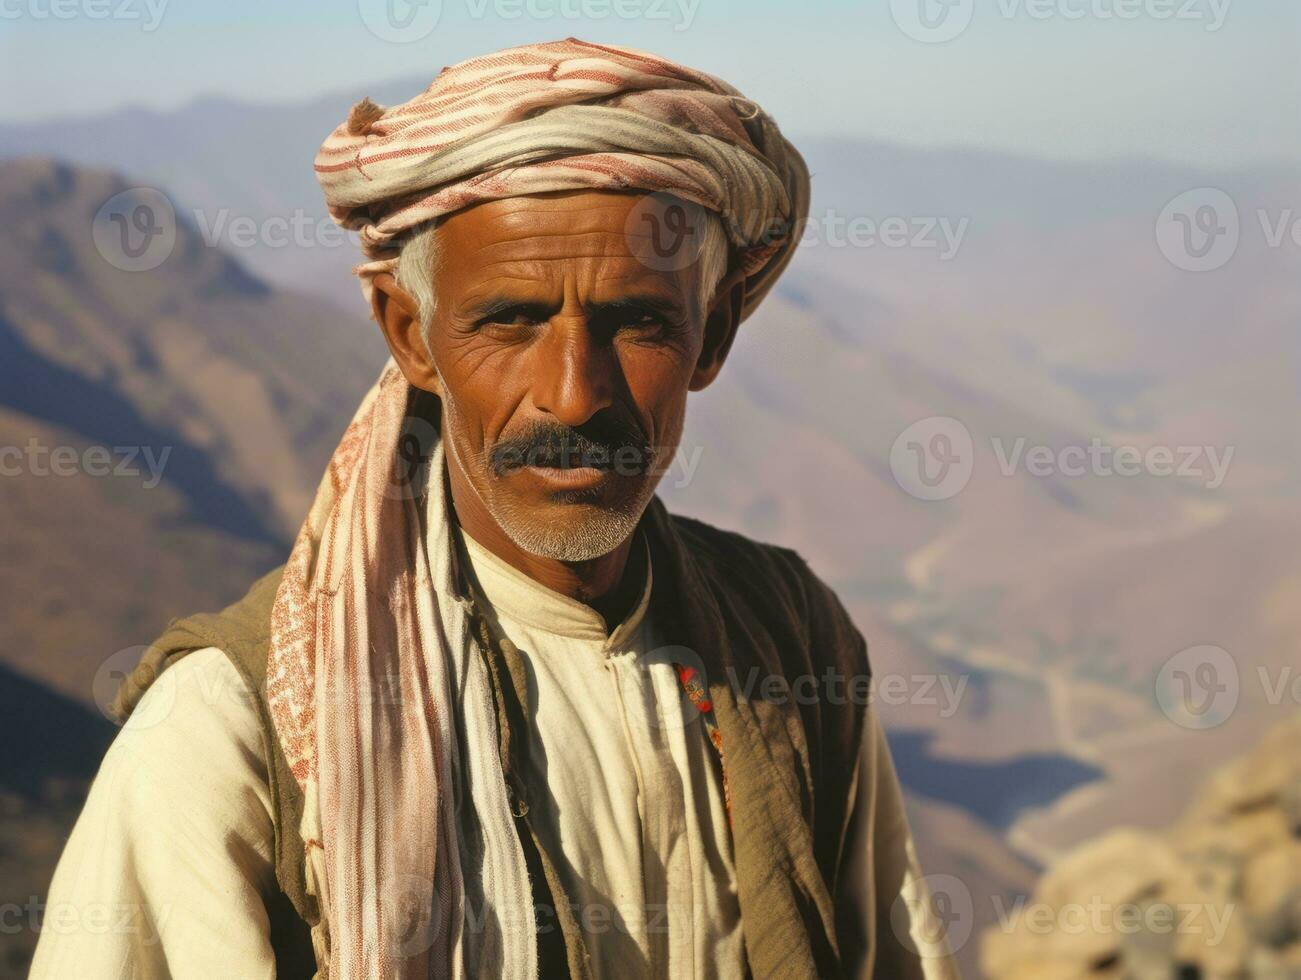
x=571 y=523
x=574 y=508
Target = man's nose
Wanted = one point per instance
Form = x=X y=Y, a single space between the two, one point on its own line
x=577 y=372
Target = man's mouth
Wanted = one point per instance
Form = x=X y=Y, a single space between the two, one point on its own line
x=575 y=463
x=566 y=467
x=569 y=477
x=568 y=458
x=582 y=459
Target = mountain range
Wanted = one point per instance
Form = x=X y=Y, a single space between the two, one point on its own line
x=1026 y=618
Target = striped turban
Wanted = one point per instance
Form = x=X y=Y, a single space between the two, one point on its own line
x=567 y=115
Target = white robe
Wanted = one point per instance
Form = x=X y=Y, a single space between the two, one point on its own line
x=167 y=870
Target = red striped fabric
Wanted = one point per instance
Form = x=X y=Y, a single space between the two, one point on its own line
x=567 y=115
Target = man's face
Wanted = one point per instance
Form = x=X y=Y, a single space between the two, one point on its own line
x=564 y=357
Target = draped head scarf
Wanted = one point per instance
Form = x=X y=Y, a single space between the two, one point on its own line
x=354 y=611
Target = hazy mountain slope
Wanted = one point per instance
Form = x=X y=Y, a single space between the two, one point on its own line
x=235 y=390
x=254 y=380
x=1057 y=322
x=43 y=781
x=162 y=432
x=97 y=564
x=227 y=160
x=1056 y=599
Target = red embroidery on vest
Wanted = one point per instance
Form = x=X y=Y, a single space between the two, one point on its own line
x=698 y=695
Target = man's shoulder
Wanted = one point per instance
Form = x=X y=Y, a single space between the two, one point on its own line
x=721 y=549
x=179 y=818
x=241 y=631
x=196 y=731
x=767 y=573
x=723 y=542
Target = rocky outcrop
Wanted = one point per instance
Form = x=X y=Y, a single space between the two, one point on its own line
x=1218 y=896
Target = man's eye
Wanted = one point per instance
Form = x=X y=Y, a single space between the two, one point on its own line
x=510 y=318
x=643 y=322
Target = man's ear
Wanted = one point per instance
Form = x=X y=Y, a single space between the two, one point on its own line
x=396 y=312
x=721 y=321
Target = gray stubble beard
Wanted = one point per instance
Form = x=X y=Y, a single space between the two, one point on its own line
x=594 y=538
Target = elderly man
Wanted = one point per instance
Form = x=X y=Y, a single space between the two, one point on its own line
x=500 y=714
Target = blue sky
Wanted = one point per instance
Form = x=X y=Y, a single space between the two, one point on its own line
x=1206 y=82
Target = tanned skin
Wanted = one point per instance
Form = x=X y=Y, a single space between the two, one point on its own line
x=545 y=313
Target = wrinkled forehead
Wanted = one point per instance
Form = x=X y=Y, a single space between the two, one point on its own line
x=631 y=236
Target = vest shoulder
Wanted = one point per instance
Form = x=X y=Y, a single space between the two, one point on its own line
x=241 y=631
x=719 y=546
x=769 y=571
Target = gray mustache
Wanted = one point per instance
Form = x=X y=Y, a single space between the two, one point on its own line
x=610 y=445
